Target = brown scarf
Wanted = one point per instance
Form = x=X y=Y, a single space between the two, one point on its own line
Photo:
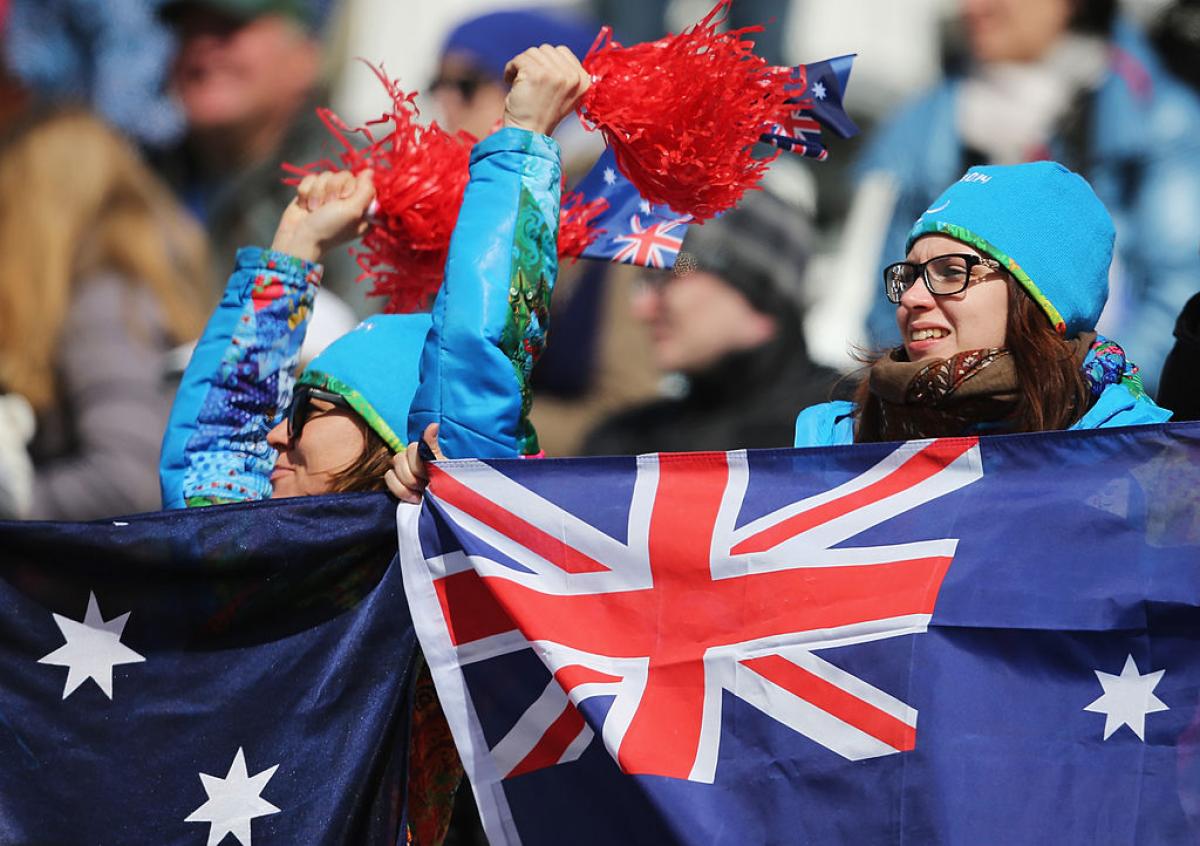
x=946 y=397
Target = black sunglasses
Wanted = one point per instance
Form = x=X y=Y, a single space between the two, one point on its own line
x=301 y=408
x=943 y=275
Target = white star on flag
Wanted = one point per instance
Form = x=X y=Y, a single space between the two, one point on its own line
x=92 y=649
x=1127 y=699
x=818 y=90
x=233 y=801
x=610 y=176
x=644 y=205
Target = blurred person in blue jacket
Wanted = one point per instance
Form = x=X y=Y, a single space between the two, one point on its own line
x=1064 y=80
x=1177 y=36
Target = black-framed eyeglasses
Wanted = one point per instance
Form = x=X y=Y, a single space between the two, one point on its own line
x=943 y=275
x=301 y=408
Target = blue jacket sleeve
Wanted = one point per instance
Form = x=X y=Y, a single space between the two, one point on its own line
x=826 y=424
x=490 y=316
x=240 y=376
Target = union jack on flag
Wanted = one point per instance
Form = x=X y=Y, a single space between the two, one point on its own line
x=799 y=133
x=632 y=229
x=818 y=88
x=966 y=640
x=687 y=602
x=654 y=245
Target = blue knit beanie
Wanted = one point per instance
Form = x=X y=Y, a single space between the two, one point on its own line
x=1044 y=224
x=375 y=368
x=491 y=40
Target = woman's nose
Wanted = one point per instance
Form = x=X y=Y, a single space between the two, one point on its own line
x=277 y=438
x=917 y=296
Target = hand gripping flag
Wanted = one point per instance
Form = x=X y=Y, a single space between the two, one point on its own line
x=950 y=641
x=228 y=675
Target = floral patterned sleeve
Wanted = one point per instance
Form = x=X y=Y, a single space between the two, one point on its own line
x=239 y=379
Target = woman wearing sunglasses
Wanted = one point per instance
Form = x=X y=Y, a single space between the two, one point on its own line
x=237 y=433
x=997 y=303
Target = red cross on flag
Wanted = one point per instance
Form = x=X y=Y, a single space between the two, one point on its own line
x=689 y=604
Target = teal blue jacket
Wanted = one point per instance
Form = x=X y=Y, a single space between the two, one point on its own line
x=491 y=313
x=489 y=327
x=832 y=423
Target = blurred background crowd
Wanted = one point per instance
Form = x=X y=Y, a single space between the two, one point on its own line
x=141 y=144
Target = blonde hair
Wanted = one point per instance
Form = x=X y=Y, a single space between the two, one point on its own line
x=75 y=198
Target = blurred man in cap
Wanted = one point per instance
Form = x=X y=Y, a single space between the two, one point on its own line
x=248 y=77
x=728 y=320
x=469 y=86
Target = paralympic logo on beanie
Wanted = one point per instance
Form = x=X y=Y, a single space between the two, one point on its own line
x=375 y=367
x=1044 y=224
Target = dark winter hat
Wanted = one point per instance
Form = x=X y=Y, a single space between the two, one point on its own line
x=1044 y=224
x=491 y=40
x=760 y=248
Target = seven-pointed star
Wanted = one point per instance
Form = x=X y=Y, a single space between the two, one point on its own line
x=644 y=205
x=610 y=176
x=233 y=801
x=92 y=649
x=1127 y=699
x=818 y=90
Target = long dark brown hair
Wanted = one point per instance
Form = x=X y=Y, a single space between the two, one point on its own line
x=1052 y=393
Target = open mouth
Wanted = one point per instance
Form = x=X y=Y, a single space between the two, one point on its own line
x=929 y=334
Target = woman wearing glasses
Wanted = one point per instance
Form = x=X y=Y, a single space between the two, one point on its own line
x=996 y=303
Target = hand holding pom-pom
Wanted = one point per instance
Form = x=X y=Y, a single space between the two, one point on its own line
x=547 y=84
x=329 y=209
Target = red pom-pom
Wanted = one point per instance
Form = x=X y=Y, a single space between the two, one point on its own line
x=575 y=231
x=420 y=174
x=682 y=113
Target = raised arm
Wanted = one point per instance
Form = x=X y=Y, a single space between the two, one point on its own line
x=241 y=374
x=490 y=316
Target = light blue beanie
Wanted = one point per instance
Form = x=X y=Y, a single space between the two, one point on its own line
x=375 y=368
x=1044 y=224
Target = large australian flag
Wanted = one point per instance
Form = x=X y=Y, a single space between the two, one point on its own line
x=958 y=641
x=230 y=675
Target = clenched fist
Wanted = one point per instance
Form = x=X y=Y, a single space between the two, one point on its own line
x=329 y=209
x=547 y=84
